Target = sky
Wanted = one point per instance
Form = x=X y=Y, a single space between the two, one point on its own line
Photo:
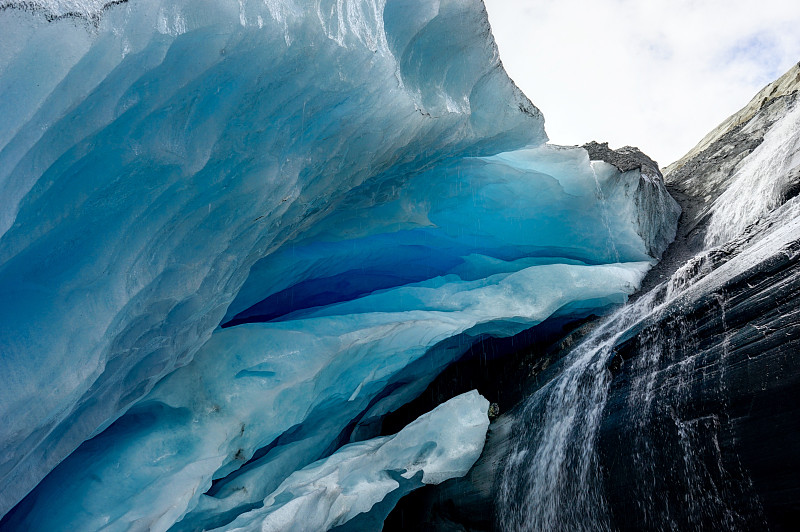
x=657 y=74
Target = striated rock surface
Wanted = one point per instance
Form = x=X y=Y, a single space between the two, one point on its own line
x=694 y=416
x=786 y=85
x=702 y=419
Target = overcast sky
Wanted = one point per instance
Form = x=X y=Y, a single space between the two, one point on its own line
x=658 y=74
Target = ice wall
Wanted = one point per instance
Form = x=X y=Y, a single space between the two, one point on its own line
x=504 y=246
x=152 y=151
x=355 y=191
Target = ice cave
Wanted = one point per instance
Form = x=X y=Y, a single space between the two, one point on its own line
x=313 y=264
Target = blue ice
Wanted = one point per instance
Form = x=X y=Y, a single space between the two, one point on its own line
x=354 y=190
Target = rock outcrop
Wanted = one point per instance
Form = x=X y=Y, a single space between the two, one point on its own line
x=712 y=441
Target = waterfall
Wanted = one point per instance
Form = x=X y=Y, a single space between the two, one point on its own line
x=553 y=478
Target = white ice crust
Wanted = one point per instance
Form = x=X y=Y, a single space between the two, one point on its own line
x=441 y=444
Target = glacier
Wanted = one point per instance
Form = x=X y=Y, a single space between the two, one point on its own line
x=234 y=235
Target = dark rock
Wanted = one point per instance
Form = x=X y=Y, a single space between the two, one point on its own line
x=501 y=369
x=624 y=159
x=714 y=445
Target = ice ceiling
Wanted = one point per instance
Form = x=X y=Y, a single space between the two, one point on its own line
x=235 y=234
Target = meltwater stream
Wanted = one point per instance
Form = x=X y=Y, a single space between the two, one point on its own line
x=553 y=479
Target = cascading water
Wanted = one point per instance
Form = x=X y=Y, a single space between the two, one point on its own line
x=551 y=479
x=554 y=477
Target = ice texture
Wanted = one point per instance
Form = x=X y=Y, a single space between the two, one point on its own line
x=290 y=388
x=152 y=151
x=439 y=445
x=281 y=392
x=471 y=217
x=354 y=190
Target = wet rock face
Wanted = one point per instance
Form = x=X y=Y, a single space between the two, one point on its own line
x=707 y=175
x=786 y=85
x=702 y=421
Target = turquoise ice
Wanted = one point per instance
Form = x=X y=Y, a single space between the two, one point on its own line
x=233 y=234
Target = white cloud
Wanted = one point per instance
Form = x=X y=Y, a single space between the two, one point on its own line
x=659 y=74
